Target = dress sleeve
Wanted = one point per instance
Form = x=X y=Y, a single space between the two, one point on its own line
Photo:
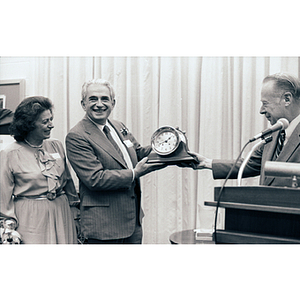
x=6 y=186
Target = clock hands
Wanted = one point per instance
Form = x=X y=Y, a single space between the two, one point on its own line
x=168 y=138
x=165 y=141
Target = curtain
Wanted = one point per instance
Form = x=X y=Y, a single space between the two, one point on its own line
x=215 y=100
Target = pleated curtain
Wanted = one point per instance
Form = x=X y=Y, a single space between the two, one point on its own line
x=215 y=100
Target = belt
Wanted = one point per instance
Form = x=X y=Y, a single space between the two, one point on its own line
x=46 y=196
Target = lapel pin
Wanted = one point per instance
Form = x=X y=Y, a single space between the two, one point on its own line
x=124 y=130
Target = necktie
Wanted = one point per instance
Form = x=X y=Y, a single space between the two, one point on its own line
x=106 y=130
x=280 y=143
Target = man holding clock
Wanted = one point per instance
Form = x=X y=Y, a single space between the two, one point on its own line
x=108 y=162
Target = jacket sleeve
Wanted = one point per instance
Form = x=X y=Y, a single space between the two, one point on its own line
x=141 y=152
x=221 y=168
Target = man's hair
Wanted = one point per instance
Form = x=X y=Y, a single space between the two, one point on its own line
x=97 y=81
x=285 y=82
x=26 y=114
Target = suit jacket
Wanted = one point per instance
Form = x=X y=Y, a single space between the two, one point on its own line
x=110 y=198
x=6 y=117
x=255 y=166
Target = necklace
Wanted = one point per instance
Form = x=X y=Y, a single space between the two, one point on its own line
x=33 y=146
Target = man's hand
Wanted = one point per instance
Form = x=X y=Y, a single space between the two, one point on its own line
x=142 y=168
x=76 y=217
x=202 y=162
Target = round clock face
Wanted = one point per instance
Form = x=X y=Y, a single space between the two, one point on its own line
x=165 y=140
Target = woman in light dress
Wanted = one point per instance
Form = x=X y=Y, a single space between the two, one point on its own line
x=36 y=186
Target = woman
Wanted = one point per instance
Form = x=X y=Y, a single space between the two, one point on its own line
x=36 y=185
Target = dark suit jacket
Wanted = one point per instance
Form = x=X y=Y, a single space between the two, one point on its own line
x=255 y=166
x=110 y=199
x=6 y=117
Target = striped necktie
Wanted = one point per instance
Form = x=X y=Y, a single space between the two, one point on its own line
x=280 y=143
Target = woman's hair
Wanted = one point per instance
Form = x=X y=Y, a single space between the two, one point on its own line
x=100 y=82
x=26 y=114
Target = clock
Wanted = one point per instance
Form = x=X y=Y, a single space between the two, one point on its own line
x=169 y=145
x=165 y=140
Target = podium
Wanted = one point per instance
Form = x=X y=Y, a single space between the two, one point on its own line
x=259 y=215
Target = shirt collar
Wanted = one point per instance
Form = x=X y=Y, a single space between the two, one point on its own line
x=292 y=126
x=99 y=125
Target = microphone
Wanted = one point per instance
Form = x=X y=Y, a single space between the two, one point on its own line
x=282 y=169
x=279 y=125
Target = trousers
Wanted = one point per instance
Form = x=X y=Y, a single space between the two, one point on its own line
x=135 y=238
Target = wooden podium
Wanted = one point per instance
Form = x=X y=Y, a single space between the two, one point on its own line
x=259 y=215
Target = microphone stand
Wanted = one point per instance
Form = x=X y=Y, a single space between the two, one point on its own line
x=255 y=147
x=264 y=140
x=222 y=188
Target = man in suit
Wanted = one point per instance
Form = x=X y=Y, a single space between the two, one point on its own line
x=280 y=98
x=108 y=162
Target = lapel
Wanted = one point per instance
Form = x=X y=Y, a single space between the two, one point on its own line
x=118 y=126
x=291 y=146
x=287 y=151
x=101 y=140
